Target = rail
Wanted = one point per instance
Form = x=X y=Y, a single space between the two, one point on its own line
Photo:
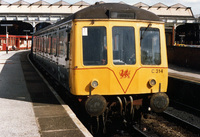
x=185 y=124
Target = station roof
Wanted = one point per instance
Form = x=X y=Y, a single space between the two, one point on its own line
x=41 y=2
x=140 y=4
x=160 y=5
x=121 y=2
x=178 y=5
x=21 y=2
x=81 y=3
x=160 y=9
x=3 y=2
x=61 y=3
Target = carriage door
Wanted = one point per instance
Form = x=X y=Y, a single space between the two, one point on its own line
x=63 y=62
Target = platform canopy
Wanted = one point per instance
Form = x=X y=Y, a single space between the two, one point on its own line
x=161 y=9
x=21 y=2
x=43 y=11
x=61 y=3
x=81 y=3
x=41 y=2
x=3 y=2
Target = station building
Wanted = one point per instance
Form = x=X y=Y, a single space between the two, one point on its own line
x=36 y=15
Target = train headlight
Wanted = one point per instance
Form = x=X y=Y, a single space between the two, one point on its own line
x=152 y=82
x=94 y=83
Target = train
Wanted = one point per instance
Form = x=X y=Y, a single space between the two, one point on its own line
x=15 y=42
x=112 y=57
x=188 y=35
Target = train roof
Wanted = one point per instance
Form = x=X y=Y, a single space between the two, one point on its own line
x=108 y=11
x=114 y=11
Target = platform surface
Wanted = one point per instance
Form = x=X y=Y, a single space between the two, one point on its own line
x=16 y=112
x=184 y=73
x=28 y=107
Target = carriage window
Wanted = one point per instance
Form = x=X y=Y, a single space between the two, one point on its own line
x=42 y=43
x=150 y=46
x=123 y=45
x=54 y=44
x=94 y=46
x=37 y=45
x=46 y=44
x=49 y=44
x=67 y=42
x=62 y=45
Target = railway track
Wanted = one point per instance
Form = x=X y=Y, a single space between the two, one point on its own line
x=142 y=132
x=183 y=123
x=185 y=107
x=167 y=124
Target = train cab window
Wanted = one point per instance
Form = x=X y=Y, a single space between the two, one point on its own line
x=123 y=45
x=150 y=46
x=94 y=46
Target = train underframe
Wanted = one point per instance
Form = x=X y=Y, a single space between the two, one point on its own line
x=106 y=110
x=123 y=111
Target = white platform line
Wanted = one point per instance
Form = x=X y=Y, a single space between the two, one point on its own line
x=65 y=106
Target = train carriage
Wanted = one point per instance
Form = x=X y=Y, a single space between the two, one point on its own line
x=107 y=53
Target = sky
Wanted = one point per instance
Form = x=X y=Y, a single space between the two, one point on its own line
x=194 y=4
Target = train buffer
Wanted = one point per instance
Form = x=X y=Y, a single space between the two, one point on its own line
x=183 y=73
x=28 y=107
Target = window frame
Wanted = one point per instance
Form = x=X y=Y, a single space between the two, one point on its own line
x=159 y=43
x=104 y=44
x=134 y=46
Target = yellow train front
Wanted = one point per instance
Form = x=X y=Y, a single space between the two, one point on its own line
x=112 y=57
x=118 y=52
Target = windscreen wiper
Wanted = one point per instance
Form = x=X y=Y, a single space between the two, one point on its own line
x=145 y=31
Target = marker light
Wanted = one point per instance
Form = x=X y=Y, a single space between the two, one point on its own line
x=152 y=82
x=94 y=83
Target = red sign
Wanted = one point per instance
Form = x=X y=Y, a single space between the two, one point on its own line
x=124 y=73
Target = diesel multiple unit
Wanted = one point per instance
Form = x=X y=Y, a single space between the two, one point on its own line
x=107 y=55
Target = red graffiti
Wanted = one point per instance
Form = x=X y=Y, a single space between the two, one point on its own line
x=124 y=73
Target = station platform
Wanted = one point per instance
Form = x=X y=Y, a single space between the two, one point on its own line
x=28 y=107
x=183 y=73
